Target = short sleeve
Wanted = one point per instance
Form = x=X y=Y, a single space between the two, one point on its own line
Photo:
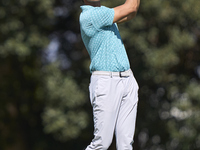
x=102 y=16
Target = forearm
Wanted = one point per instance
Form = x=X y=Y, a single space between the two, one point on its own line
x=126 y=11
x=132 y=4
x=127 y=18
x=130 y=16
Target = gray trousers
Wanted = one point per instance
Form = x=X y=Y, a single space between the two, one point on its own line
x=114 y=98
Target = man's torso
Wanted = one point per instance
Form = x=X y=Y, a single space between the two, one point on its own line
x=102 y=40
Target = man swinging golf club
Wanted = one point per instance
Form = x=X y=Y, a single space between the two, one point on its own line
x=113 y=88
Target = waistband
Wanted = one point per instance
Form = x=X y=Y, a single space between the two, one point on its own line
x=111 y=74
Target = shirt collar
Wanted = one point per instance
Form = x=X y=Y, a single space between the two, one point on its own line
x=86 y=7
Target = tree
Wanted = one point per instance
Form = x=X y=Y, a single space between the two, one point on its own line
x=44 y=75
x=24 y=29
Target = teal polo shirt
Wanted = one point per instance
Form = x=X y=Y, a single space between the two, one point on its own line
x=102 y=39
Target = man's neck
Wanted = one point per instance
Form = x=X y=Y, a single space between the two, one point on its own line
x=95 y=3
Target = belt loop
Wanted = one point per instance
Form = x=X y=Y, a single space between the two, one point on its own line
x=111 y=74
x=120 y=74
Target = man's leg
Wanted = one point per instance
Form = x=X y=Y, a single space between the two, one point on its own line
x=125 y=126
x=105 y=99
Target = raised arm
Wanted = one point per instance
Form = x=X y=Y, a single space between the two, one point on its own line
x=126 y=12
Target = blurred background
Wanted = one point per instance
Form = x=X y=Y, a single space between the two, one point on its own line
x=44 y=75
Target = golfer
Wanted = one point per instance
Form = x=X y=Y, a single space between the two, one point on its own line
x=113 y=88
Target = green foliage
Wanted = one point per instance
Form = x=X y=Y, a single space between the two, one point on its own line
x=24 y=29
x=22 y=37
x=63 y=114
x=23 y=24
x=42 y=103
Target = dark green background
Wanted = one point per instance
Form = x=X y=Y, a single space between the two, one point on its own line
x=44 y=75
